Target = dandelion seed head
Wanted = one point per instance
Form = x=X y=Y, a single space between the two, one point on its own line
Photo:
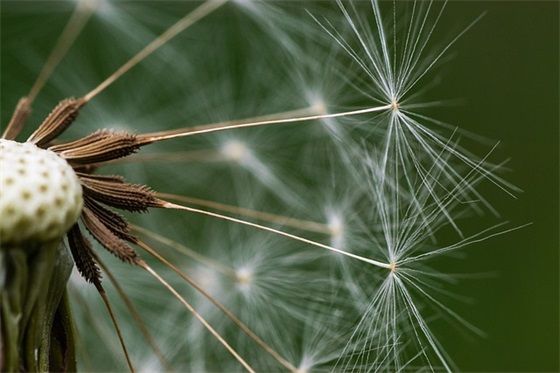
x=40 y=194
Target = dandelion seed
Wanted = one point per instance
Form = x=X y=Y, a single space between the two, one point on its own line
x=393 y=63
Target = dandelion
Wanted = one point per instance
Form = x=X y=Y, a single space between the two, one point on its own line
x=298 y=212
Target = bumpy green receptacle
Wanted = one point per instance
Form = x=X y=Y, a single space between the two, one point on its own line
x=37 y=333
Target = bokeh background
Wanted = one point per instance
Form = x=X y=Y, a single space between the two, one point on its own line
x=503 y=81
x=507 y=67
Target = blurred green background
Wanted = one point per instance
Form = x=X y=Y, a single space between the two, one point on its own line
x=505 y=71
x=507 y=67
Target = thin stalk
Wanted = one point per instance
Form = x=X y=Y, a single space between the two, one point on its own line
x=170 y=205
x=75 y=24
x=224 y=310
x=135 y=316
x=216 y=335
x=167 y=135
x=185 y=22
x=103 y=295
x=306 y=225
x=218 y=267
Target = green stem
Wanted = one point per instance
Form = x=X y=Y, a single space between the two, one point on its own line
x=33 y=282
